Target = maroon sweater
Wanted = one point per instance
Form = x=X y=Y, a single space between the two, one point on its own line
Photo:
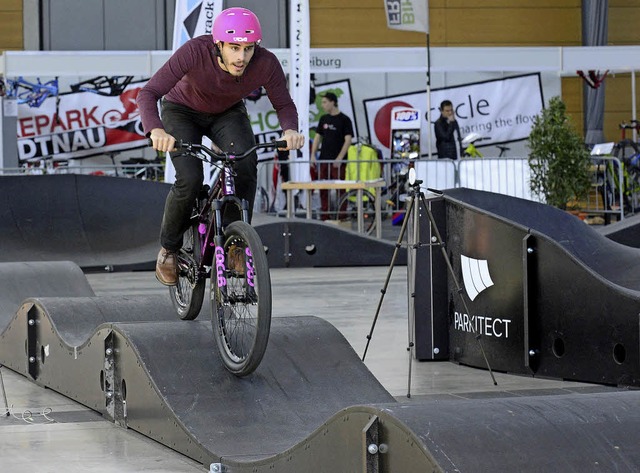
x=193 y=77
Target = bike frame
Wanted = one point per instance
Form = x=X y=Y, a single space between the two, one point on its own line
x=472 y=152
x=99 y=85
x=34 y=94
x=223 y=193
x=212 y=249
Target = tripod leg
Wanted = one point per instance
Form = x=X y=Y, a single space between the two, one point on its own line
x=455 y=279
x=4 y=393
x=410 y=349
x=412 y=247
x=386 y=283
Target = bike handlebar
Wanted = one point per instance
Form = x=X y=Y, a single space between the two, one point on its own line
x=223 y=156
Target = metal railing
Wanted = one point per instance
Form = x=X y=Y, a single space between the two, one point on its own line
x=611 y=192
x=511 y=176
x=150 y=171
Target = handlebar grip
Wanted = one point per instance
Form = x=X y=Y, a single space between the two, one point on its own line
x=280 y=144
x=178 y=145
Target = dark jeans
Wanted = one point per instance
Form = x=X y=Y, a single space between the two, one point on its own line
x=230 y=131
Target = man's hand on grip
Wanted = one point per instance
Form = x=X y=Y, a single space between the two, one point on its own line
x=161 y=140
x=294 y=139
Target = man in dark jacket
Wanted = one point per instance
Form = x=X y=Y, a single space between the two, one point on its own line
x=445 y=127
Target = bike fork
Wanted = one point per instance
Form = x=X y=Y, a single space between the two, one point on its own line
x=219 y=270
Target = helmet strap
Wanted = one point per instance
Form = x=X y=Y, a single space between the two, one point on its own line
x=218 y=54
x=217 y=49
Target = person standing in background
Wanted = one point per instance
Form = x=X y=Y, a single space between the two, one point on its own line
x=333 y=136
x=445 y=128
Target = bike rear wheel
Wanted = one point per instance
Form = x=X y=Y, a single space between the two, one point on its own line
x=348 y=210
x=241 y=301
x=187 y=296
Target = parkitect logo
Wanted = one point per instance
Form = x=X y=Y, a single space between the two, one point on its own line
x=476 y=278
x=475 y=274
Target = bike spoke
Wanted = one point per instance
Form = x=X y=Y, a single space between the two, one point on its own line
x=240 y=329
x=239 y=319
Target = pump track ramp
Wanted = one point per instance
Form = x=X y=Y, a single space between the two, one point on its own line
x=111 y=223
x=312 y=406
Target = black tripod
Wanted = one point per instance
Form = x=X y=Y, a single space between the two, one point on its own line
x=416 y=194
x=4 y=393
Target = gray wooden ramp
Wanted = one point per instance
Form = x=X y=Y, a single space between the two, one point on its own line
x=165 y=380
x=103 y=222
x=95 y=221
x=570 y=433
x=21 y=280
x=300 y=243
x=312 y=405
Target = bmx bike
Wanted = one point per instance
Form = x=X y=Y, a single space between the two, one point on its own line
x=469 y=146
x=234 y=258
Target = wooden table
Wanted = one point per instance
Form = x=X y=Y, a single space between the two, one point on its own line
x=359 y=186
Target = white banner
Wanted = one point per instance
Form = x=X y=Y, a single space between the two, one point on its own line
x=265 y=121
x=193 y=18
x=79 y=125
x=299 y=38
x=342 y=89
x=500 y=110
x=408 y=15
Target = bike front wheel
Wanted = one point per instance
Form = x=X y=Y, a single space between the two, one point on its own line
x=241 y=299
x=187 y=296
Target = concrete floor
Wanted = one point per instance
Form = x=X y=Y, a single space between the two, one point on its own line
x=46 y=432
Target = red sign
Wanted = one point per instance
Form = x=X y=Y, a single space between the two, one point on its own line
x=79 y=125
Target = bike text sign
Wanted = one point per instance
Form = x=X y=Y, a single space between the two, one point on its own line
x=407 y=15
x=500 y=110
x=79 y=125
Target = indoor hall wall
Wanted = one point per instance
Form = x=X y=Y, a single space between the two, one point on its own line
x=618 y=103
x=453 y=23
x=362 y=23
x=624 y=18
x=11 y=27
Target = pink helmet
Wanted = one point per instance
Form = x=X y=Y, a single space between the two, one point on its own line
x=237 y=25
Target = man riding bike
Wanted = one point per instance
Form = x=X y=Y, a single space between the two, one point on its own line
x=202 y=87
